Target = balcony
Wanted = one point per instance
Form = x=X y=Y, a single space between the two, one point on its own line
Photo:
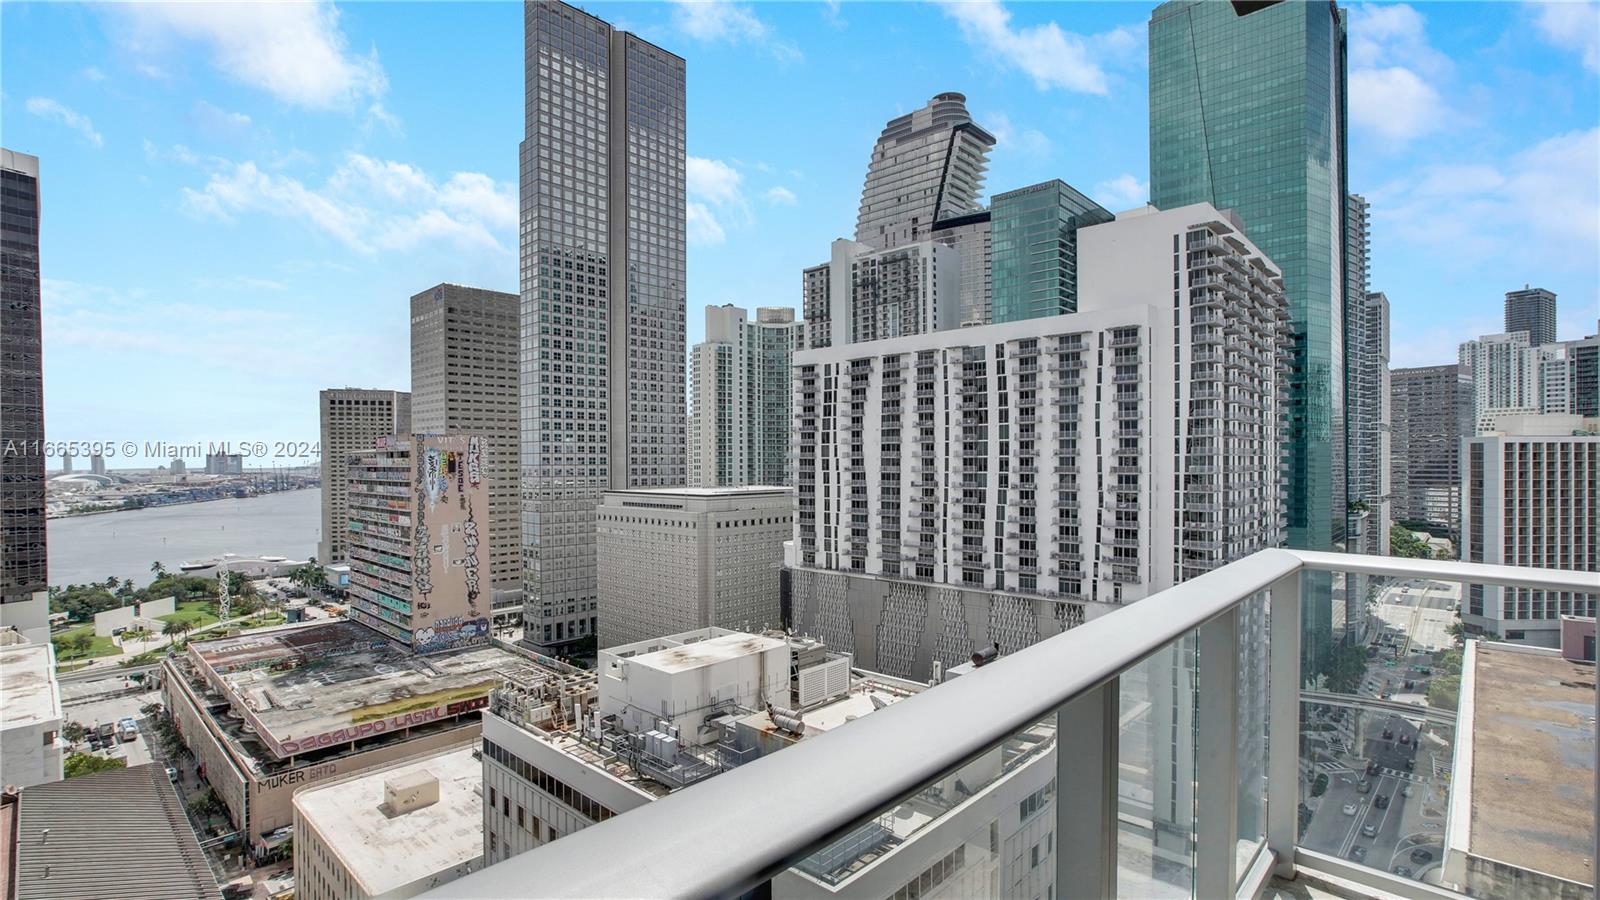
x=1221 y=654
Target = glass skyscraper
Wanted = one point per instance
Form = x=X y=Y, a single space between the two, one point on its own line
x=1035 y=249
x=603 y=293
x=1247 y=112
x=22 y=526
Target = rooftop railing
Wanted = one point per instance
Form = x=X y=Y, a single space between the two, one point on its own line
x=1168 y=771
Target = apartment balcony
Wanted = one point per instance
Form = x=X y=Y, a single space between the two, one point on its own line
x=1070 y=365
x=1127 y=340
x=1068 y=381
x=1221 y=653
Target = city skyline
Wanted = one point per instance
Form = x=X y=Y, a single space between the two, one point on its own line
x=271 y=231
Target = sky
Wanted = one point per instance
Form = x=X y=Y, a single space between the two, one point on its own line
x=240 y=199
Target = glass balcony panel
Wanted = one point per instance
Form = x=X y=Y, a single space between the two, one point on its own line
x=1155 y=787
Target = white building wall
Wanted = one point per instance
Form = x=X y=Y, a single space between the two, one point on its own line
x=30 y=727
x=1529 y=500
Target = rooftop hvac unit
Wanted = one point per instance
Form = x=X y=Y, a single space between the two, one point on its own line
x=824 y=682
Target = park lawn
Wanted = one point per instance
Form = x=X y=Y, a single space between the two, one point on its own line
x=98 y=646
x=196 y=613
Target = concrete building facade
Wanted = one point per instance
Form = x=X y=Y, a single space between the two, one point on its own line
x=603 y=285
x=23 y=560
x=997 y=485
x=876 y=294
x=419 y=569
x=675 y=559
x=31 y=716
x=927 y=165
x=352 y=420
x=739 y=397
x=1532 y=310
x=1530 y=497
x=464 y=378
x=1432 y=409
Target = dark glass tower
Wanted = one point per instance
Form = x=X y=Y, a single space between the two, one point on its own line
x=1532 y=310
x=1035 y=253
x=22 y=525
x=1247 y=112
x=603 y=292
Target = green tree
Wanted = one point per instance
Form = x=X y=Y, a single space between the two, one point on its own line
x=174 y=628
x=82 y=641
x=1403 y=543
x=158 y=570
x=74 y=732
x=88 y=764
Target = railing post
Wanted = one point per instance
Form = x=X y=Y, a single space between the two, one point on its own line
x=1087 y=748
x=1283 y=724
x=1217 y=759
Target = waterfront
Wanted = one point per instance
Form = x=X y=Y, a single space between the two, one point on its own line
x=123 y=544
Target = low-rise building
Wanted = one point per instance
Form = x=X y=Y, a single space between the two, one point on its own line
x=661 y=715
x=270 y=712
x=30 y=711
x=1522 y=784
x=119 y=833
x=676 y=559
x=391 y=833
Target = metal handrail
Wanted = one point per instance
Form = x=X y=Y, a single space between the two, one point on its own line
x=736 y=831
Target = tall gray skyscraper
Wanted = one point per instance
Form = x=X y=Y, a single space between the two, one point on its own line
x=23 y=578
x=603 y=271
x=740 y=407
x=352 y=421
x=1532 y=310
x=464 y=379
x=1432 y=410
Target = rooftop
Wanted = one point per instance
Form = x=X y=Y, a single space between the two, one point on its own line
x=318 y=685
x=1533 y=776
x=386 y=850
x=693 y=655
x=28 y=684
x=749 y=490
x=121 y=832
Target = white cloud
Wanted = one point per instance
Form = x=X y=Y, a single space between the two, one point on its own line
x=1009 y=138
x=1540 y=207
x=1396 y=74
x=1051 y=56
x=93 y=73
x=780 y=196
x=1571 y=26
x=1122 y=192
x=369 y=205
x=50 y=110
x=294 y=51
x=724 y=22
x=1395 y=103
x=218 y=122
x=703 y=227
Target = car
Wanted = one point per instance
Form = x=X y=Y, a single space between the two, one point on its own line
x=1403 y=871
x=1358 y=853
x=1421 y=855
x=1407 y=791
x=1350 y=809
x=172 y=774
x=1369 y=830
x=1372 y=767
x=1411 y=764
x=1405 y=739
x=1388 y=734
x=1382 y=802
x=1364 y=786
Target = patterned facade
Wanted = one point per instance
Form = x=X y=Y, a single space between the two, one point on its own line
x=23 y=560
x=1432 y=410
x=1532 y=310
x=927 y=165
x=603 y=296
x=1000 y=484
x=353 y=419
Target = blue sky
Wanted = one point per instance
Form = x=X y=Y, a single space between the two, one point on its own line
x=239 y=199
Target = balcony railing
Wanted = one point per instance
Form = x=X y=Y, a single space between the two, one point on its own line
x=1227 y=643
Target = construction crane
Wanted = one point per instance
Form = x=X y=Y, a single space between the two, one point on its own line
x=223 y=601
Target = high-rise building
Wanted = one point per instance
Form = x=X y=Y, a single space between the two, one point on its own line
x=876 y=294
x=995 y=485
x=1035 y=255
x=927 y=166
x=464 y=378
x=1584 y=377
x=603 y=294
x=1247 y=112
x=66 y=463
x=740 y=416
x=1532 y=310
x=23 y=560
x=352 y=421
x=224 y=464
x=1431 y=410
x=678 y=559
x=1530 y=497
x=418 y=511
x=970 y=236
x=97 y=464
x=1506 y=377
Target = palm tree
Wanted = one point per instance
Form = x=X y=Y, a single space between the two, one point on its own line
x=175 y=628
x=157 y=569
